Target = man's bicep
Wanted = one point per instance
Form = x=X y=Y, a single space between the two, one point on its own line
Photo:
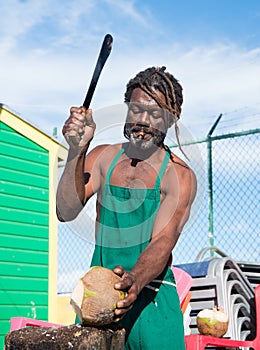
x=175 y=208
x=168 y=217
x=92 y=171
x=185 y=196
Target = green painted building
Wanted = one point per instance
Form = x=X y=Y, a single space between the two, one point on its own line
x=28 y=225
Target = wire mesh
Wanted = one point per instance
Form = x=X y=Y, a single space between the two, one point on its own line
x=236 y=197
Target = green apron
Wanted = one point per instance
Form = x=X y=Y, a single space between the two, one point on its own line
x=124 y=229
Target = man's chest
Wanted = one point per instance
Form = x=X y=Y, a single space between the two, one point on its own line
x=133 y=173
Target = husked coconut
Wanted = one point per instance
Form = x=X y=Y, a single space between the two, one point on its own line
x=94 y=298
x=212 y=322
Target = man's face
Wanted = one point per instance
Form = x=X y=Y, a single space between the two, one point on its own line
x=146 y=123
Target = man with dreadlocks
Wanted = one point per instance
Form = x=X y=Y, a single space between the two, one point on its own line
x=144 y=195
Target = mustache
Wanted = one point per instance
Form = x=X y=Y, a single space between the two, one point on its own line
x=141 y=128
x=130 y=128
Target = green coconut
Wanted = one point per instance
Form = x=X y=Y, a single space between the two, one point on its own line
x=212 y=322
x=94 y=298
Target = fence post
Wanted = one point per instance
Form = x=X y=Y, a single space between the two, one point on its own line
x=210 y=186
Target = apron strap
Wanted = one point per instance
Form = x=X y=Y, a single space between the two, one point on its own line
x=162 y=170
x=112 y=165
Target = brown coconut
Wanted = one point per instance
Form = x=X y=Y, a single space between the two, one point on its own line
x=94 y=298
x=212 y=322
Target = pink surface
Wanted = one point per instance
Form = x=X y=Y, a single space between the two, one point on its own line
x=21 y=322
x=183 y=282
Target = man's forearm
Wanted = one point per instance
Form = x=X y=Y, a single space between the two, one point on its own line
x=70 y=192
x=152 y=261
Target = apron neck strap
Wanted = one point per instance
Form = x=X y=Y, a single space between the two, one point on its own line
x=162 y=170
x=112 y=165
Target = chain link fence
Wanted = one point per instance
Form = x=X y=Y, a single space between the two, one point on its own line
x=225 y=214
x=234 y=216
x=236 y=197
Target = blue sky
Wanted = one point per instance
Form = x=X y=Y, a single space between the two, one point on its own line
x=49 y=49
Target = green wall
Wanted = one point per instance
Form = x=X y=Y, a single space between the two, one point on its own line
x=24 y=228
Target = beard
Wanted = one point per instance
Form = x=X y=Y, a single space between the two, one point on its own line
x=143 y=137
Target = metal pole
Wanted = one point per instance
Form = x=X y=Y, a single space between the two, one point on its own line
x=210 y=186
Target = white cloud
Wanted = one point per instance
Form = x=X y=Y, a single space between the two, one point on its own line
x=17 y=18
x=128 y=9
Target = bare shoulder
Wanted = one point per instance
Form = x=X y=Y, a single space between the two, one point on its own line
x=181 y=167
x=102 y=154
x=180 y=175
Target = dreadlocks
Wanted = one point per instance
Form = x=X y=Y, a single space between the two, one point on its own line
x=156 y=78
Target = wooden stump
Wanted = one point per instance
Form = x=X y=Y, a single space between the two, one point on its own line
x=69 y=337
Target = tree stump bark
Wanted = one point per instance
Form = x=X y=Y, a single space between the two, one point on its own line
x=78 y=337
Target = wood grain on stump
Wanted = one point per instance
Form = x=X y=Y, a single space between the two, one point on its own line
x=69 y=337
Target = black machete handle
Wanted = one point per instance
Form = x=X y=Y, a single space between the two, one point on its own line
x=103 y=55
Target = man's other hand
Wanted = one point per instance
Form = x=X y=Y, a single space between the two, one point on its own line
x=129 y=287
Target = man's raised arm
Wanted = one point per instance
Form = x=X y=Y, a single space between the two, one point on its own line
x=78 y=131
